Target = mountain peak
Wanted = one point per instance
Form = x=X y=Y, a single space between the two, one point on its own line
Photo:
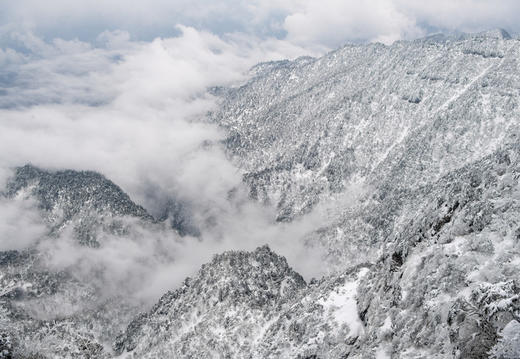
x=75 y=189
x=260 y=280
x=70 y=197
x=497 y=33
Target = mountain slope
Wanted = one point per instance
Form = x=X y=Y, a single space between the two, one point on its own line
x=374 y=120
x=55 y=300
x=443 y=286
x=83 y=200
x=220 y=312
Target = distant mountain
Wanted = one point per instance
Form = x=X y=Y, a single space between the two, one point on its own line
x=84 y=200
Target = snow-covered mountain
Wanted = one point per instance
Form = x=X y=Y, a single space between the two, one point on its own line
x=411 y=153
x=375 y=119
x=85 y=201
x=56 y=311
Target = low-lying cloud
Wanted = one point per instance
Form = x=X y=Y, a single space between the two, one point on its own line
x=130 y=110
x=21 y=224
x=136 y=112
x=148 y=261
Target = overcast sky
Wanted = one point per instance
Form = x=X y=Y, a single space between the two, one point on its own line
x=324 y=23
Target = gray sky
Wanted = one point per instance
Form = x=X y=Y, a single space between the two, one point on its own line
x=309 y=23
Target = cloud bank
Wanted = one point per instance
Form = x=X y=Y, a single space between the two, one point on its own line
x=136 y=111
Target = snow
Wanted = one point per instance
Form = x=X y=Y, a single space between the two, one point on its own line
x=313 y=144
x=409 y=270
x=465 y=89
x=387 y=325
x=382 y=352
x=455 y=247
x=508 y=346
x=342 y=306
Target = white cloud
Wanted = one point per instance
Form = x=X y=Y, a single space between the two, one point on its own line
x=128 y=110
x=146 y=263
x=332 y=22
x=316 y=25
x=20 y=224
x=464 y=15
x=135 y=111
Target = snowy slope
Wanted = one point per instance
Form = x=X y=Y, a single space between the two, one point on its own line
x=377 y=120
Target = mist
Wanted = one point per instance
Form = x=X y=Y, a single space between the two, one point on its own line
x=21 y=224
x=137 y=113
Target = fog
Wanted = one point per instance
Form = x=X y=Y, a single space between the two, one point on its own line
x=137 y=113
x=21 y=224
